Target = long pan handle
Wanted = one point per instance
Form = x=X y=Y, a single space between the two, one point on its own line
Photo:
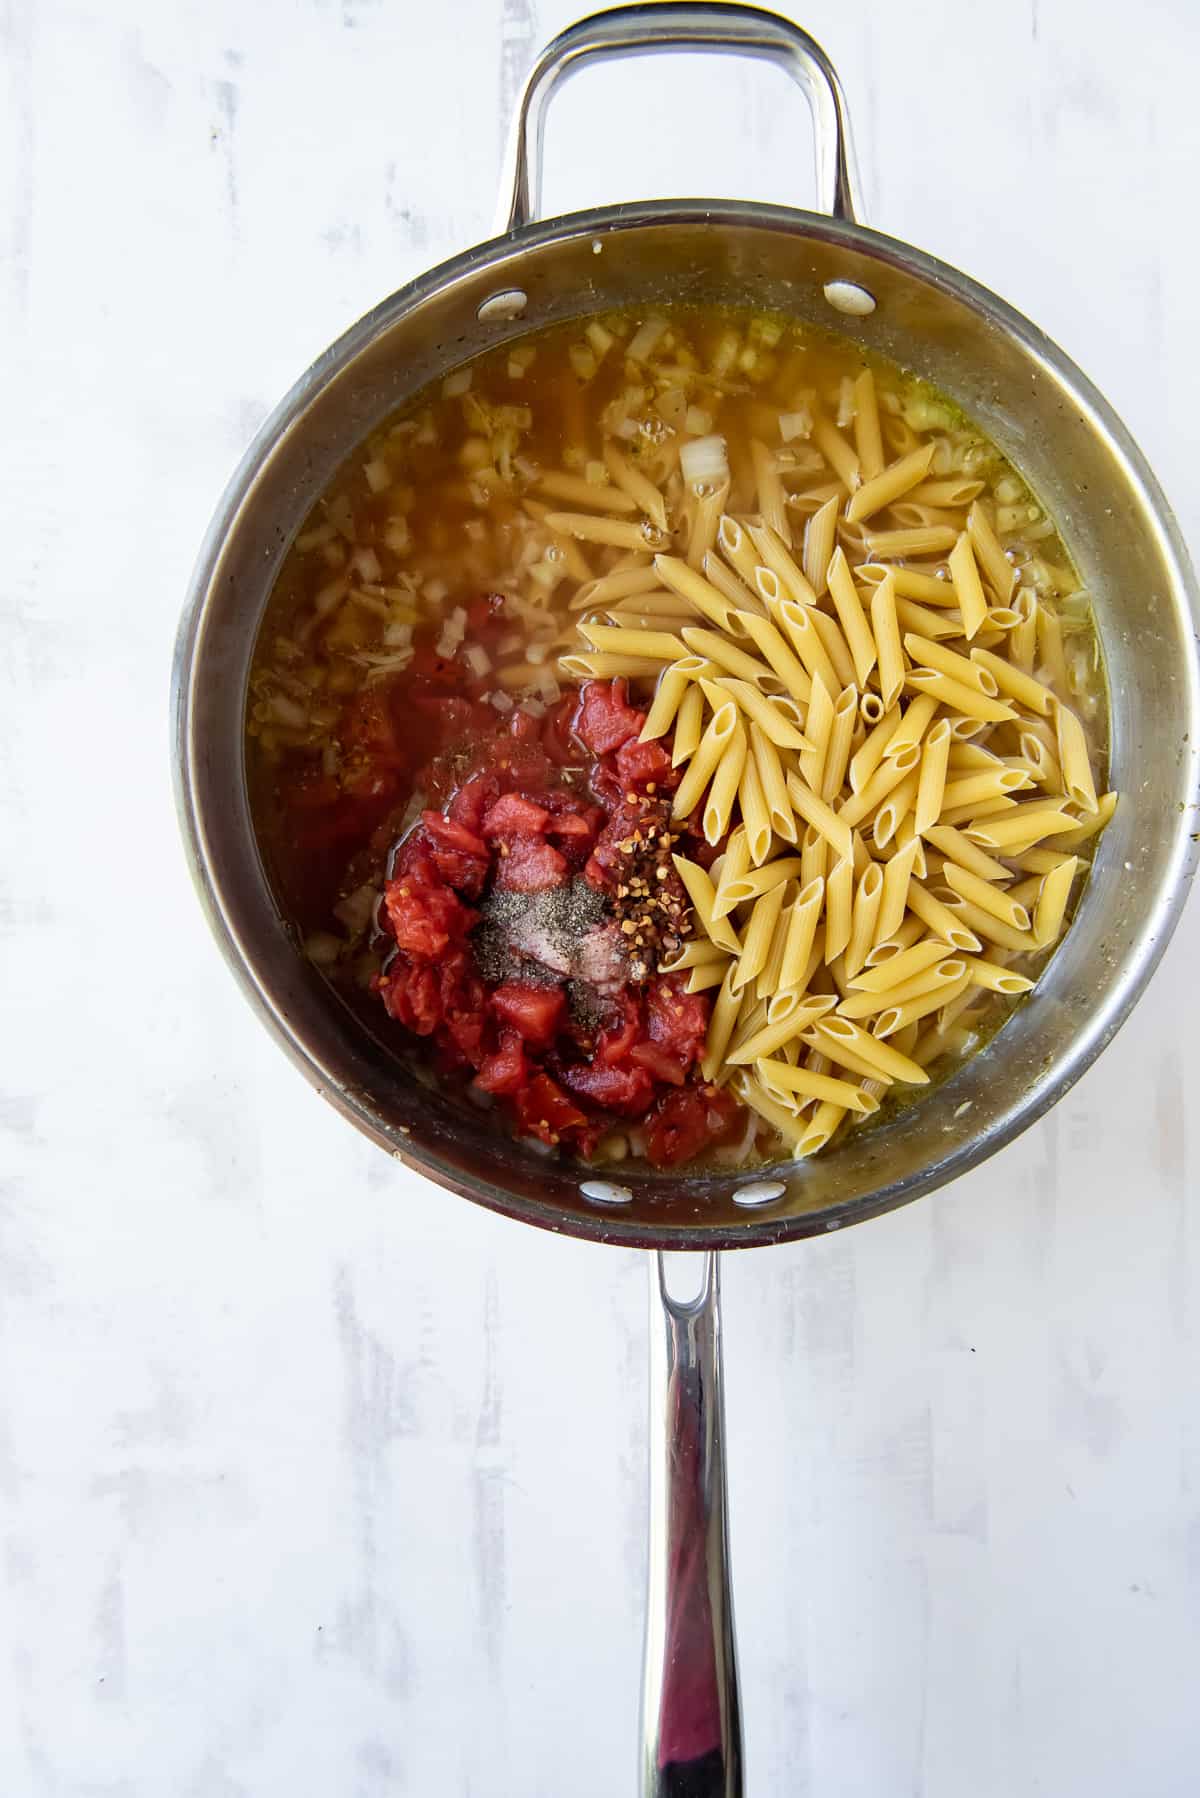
x=693 y=25
x=691 y=1724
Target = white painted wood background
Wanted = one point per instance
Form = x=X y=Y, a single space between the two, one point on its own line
x=316 y=1483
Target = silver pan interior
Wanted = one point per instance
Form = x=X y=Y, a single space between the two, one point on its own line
x=1044 y=415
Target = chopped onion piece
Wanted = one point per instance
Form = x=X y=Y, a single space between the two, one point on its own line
x=644 y=339
x=600 y=339
x=367 y=564
x=503 y=702
x=457 y=383
x=704 y=459
x=795 y=424
x=397 y=537
x=477 y=659
x=698 y=421
x=379 y=475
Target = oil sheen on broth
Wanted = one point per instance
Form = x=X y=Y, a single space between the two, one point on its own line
x=681 y=734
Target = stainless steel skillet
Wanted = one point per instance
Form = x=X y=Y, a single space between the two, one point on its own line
x=826 y=267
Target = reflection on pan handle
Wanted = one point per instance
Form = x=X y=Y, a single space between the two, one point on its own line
x=691 y=1725
x=705 y=25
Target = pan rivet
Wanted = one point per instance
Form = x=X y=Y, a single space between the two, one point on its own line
x=510 y=303
x=603 y=1192
x=849 y=297
x=760 y=1192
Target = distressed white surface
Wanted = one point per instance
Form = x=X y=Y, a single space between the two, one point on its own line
x=314 y=1481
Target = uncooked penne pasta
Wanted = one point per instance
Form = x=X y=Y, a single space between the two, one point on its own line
x=774 y=784
x=777 y=1075
x=1051 y=907
x=644 y=494
x=820 y=536
x=967 y=585
x=769 y=714
x=689 y=723
x=756 y=941
x=1074 y=760
x=702 y=893
x=868 y=442
x=669 y=692
x=931 y=787
x=756 y=821
x=893 y=903
x=889 y=484
x=839 y=908
x=770 y=493
x=807 y=805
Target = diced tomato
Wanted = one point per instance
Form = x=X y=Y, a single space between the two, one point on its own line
x=461 y=858
x=537 y=1013
x=628 y=1090
x=687 y=1121
x=641 y=765
x=412 y=996
x=677 y=1020
x=425 y=919
x=658 y=1062
x=472 y=801
x=524 y=728
x=507 y=1070
x=515 y=816
x=605 y=719
x=558 y=740
x=531 y=866
x=614 y=1044
x=545 y=1111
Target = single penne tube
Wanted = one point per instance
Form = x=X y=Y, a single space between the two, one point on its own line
x=926 y=622
x=711 y=604
x=814 y=855
x=774 y=783
x=617 y=533
x=910 y=583
x=906 y=965
x=1022 y=639
x=617 y=640
x=983 y=893
x=1073 y=759
x=818 y=726
x=1023 y=826
x=886 y=632
x=702 y=893
x=931 y=785
x=906 y=834
x=820 y=535
x=622 y=584
x=839 y=909
x=894 y=809
x=1014 y=683
x=709 y=505
x=955 y=492
x=657 y=611
x=798 y=1016
x=755 y=819
x=725 y=788
x=868 y=441
x=890 y=772
x=605 y=666
x=736 y=546
x=826 y=1120
x=825 y=1052
x=755 y=882
x=835 y=829
x=776 y=1075
x=798 y=623
x=756 y=940
x=851 y=616
x=956 y=696
x=767 y=983
x=909 y=733
x=836 y=647
x=914 y=540
x=716 y=648
x=957 y=848
x=931 y=980
x=899 y=1017
x=734 y=863
x=837 y=749
x=887 y=486
x=837 y=452
x=672 y=685
x=1026 y=891
x=995 y=978
x=704 y=975
x=1038 y=861
x=701 y=953
x=991 y=928
x=689 y=725
x=769 y=491
x=767 y=713
x=1000 y=572
x=731 y=586
x=967 y=585
x=988 y=783
x=644 y=494
x=720 y=737
x=910 y=932
x=970 y=815
x=893 y=901
x=774 y=553
x=971 y=758
x=775 y=651
x=846 y=1034
x=867 y=757
x=801 y=1007
x=939 y=918
x=601 y=495
x=721 y=1023
x=804 y=915
x=1050 y=648
x=864 y=916
x=1051 y=907
x=926 y=653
